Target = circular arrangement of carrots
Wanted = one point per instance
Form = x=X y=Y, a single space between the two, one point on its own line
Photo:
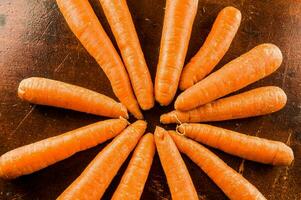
x=201 y=101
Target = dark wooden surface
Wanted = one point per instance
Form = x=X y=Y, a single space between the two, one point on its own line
x=35 y=41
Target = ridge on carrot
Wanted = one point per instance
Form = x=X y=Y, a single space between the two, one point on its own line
x=214 y=48
x=133 y=180
x=83 y=22
x=97 y=176
x=33 y=157
x=233 y=184
x=177 y=26
x=59 y=94
x=238 y=144
x=121 y=23
x=259 y=101
x=252 y=66
x=179 y=181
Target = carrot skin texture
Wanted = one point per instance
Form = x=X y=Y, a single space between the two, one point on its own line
x=238 y=144
x=33 y=157
x=177 y=26
x=83 y=22
x=250 y=67
x=121 y=23
x=134 y=178
x=59 y=94
x=95 y=179
x=214 y=48
x=178 y=178
x=233 y=184
x=256 y=102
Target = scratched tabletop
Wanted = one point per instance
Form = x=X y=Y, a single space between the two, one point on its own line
x=36 y=41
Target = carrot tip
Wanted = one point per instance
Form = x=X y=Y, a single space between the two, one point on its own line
x=159 y=132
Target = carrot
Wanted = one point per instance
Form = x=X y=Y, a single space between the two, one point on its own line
x=259 y=101
x=83 y=22
x=95 y=179
x=178 y=178
x=33 y=157
x=121 y=23
x=59 y=94
x=245 y=146
x=214 y=48
x=233 y=184
x=133 y=180
x=177 y=26
x=256 y=64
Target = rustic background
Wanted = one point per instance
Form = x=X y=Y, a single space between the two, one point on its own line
x=35 y=41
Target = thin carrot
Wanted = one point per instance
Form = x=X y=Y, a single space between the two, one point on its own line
x=133 y=180
x=95 y=179
x=256 y=64
x=178 y=178
x=244 y=146
x=259 y=101
x=59 y=94
x=233 y=184
x=121 y=23
x=178 y=21
x=214 y=48
x=83 y=22
x=33 y=157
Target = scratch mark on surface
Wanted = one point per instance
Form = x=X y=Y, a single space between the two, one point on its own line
x=24 y=118
x=241 y=167
x=285 y=71
x=62 y=63
x=276 y=178
x=44 y=32
x=288 y=141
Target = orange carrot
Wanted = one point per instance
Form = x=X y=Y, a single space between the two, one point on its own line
x=33 y=157
x=133 y=180
x=178 y=21
x=178 y=178
x=55 y=93
x=83 y=22
x=259 y=101
x=245 y=146
x=214 y=48
x=233 y=184
x=121 y=23
x=95 y=179
x=256 y=64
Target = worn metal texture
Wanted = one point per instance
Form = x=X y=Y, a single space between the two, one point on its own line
x=36 y=41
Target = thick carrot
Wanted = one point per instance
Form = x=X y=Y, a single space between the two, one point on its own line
x=214 y=48
x=233 y=184
x=256 y=64
x=177 y=26
x=133 y=180
x=259 y=101
x=178 y=178
x=33 y=157
x=55 y=93
x=95 y=179
x=245 y=146
x=121 y=23
x=83 y=22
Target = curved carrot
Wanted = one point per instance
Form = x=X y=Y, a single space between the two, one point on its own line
x=59 y=94
x=178 y=21
x=33 y=157
x=133 y=180
x=83 y=22
x=259 y=101
x=121 y=23
x=214 y=48
x=95 y=179
x=244 y=146
x=178 y=178
x=256 y=64
x=233 y=184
